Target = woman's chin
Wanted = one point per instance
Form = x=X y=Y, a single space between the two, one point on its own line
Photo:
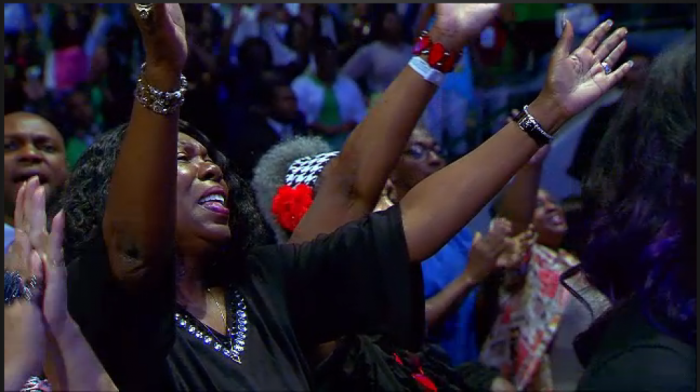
x=216 y=233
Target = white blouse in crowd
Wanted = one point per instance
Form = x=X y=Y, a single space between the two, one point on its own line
x=310 y=96
x=379 y=62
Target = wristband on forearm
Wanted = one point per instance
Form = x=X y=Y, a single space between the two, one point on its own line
x=157 y=101
x=533 y=128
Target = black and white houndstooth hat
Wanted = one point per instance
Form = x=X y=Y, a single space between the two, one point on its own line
x=306 y=170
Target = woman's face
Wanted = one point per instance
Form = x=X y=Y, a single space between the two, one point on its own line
x=549 y=221
x=421 y=158
x=202 y=196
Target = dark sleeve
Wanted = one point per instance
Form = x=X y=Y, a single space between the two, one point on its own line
x=357 y=280
x=131 y=331
x=642 y=369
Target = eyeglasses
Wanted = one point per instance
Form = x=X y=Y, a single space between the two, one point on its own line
x=421 y=151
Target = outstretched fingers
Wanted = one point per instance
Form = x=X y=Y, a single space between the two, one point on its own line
x=563 y=48
x=604 y=81
x=593 y=40
x=610 y=45
x=615 y=55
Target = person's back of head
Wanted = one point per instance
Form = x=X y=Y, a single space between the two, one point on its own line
x=642 y=193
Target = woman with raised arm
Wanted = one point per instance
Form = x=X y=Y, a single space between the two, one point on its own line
x=166 y=280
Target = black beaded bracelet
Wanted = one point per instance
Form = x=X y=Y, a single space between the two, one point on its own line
x=14 y=287
x=533 y=128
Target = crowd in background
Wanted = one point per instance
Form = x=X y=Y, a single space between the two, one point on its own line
x=259 y=75
x=70 y=62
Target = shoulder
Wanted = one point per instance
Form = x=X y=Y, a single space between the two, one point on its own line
x=646 y=366
x=632 y=354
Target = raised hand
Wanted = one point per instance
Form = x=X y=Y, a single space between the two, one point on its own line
x=164 y=37
x=576 y=79
x=517 y=249
x=485 y=252
x=458 y=23
x=25 y=331
x=55 y=298
x=31 y=222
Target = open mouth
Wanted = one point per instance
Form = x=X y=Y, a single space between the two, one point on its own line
x=215 y=202
x=556 y=220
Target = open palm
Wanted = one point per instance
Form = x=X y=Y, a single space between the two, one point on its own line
x=465 y=20
x=577 y=79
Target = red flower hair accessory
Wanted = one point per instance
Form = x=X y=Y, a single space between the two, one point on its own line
x=290 y=204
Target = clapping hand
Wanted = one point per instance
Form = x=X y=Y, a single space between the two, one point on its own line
x=517 y=249
x=37 y=257
x=486 y=250
x=30 y=218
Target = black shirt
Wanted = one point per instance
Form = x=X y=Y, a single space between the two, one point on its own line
x=356 y=280
x=623 y=351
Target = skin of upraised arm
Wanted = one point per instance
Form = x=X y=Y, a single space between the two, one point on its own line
x=439 y=206
x=139 y=219
x=353 y=182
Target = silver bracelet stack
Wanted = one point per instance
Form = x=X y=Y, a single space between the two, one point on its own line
x=158 y=101
x=36 y=384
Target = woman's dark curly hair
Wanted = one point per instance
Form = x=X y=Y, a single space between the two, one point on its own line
x=642 y=196
x=86 y=196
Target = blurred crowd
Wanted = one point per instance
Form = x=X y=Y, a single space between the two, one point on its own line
x=502 y=303
x=259 y=72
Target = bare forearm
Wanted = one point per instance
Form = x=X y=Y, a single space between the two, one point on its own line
x=353 y=184
x=439 y=307
x=80 y=370
x=520 y=197
x=374 y=147
x=354 y=181
x=140 y=213
x=438 y=207
x=16 y=375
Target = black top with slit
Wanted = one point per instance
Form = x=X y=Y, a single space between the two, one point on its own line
x=357 y=280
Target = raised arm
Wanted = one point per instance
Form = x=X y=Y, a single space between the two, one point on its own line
x=139 y=219
x=442 y=204
x=354 y=181
x=519 y=198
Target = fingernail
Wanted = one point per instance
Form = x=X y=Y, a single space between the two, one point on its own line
x=609 y=23
x=563 y=23
x=631 y=63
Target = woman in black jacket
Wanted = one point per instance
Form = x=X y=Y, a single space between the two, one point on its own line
x=642 y=252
